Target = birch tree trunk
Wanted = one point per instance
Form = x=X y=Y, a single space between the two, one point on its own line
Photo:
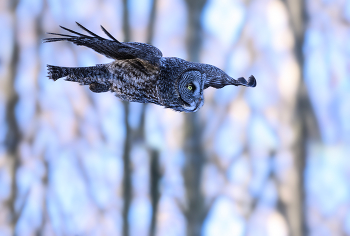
x=304 y=120
x=13 y=135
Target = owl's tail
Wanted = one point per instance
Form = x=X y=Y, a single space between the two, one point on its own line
x=56 y=72
x=84 y=75
x=95 y=76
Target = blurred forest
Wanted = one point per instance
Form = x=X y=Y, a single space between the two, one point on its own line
x=271 y=160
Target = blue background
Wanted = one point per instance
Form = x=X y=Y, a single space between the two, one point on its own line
x=69 y=175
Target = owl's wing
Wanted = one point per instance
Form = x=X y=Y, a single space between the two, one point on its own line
x=110 y=48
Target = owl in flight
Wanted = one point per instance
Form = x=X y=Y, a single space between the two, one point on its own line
x=139 y=73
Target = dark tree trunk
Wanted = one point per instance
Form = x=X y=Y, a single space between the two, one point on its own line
x=153 y=153
x=139 y=135
x=154 y=189
x=127 y=187
x=195 y=158
x=194 y=164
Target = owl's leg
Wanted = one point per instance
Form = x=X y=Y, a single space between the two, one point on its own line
x=98 y=88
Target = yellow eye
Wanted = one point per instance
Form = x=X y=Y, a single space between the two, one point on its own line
x=189 y=87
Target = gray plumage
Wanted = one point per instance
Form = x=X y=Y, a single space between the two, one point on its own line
x=139 y=73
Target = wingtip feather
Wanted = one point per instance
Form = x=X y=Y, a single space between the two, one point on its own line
x=73 y=32
x=108 y=34
x=250 y=83
x=90 y=32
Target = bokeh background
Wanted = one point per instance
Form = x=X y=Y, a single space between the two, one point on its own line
x=271 y=160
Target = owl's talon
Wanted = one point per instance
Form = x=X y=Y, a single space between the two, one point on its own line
x=98 y=88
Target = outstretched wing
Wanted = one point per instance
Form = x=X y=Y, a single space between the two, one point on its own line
x=111 y=48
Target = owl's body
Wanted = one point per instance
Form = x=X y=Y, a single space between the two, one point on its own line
x=139 y=73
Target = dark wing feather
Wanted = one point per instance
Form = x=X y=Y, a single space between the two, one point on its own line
x=110 y=48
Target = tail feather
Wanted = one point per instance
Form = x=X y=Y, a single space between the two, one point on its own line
x=56 y=72
x=83 y=75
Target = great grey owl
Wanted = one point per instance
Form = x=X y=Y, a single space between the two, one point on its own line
x=139 y=73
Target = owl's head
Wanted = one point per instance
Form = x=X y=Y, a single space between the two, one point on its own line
x=190 y=85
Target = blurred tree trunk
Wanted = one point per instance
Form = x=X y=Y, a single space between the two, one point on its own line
x=154 y=188
x=304 y=119
x=139 y=135
x=127 y=187
x=196 y=211
x=153 y=153
x=13 y=134
x=45 y=218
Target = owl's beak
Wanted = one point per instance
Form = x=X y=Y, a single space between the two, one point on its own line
x=220 y=82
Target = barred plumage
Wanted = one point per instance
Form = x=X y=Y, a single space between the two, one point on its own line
x=139 y=73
